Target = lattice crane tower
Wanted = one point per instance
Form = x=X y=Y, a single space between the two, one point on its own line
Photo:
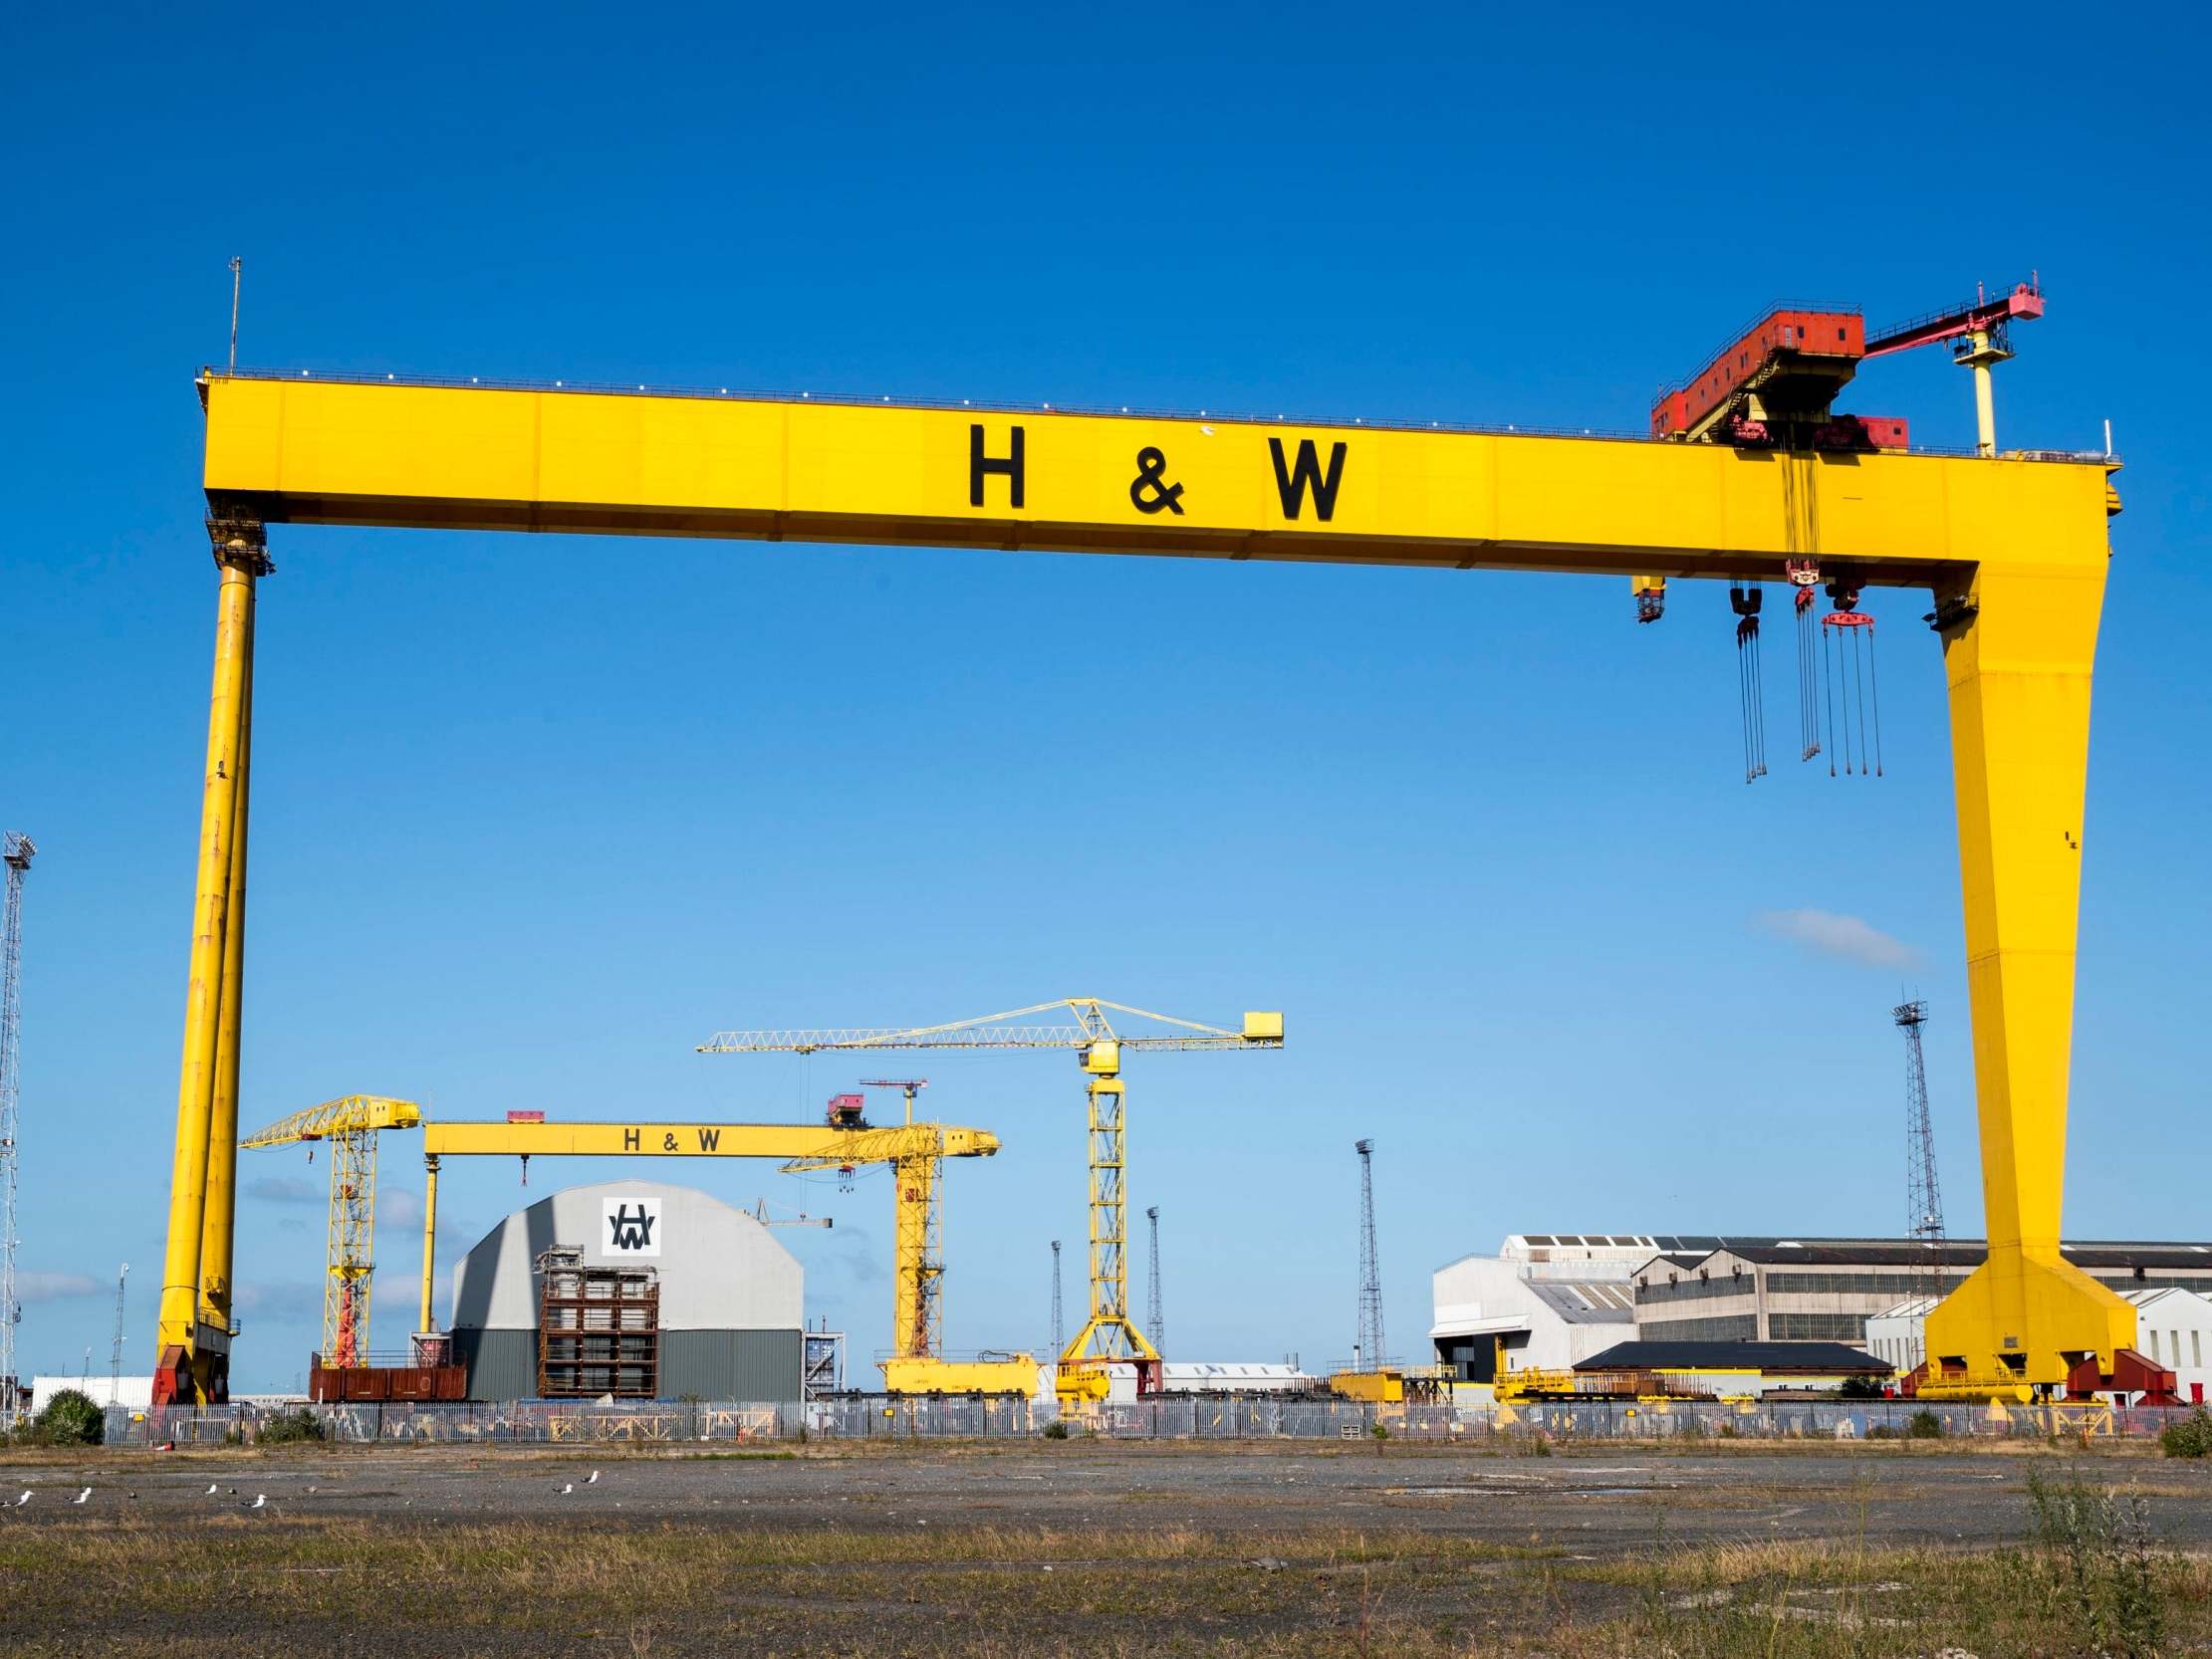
x=1109 y=1333
x=1923 y=1192
x=16 y=850
x=352 y=1125
x=1371 y=1271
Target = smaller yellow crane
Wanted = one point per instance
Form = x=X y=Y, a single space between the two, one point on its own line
x=350 y=1124
x=915 y=1151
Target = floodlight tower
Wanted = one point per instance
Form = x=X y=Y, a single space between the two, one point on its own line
x=114 y=1353
x=1370 y=1273
x=16 y=850
x=1058 y=1339
x=1923 y=1193
x=1152 y=1313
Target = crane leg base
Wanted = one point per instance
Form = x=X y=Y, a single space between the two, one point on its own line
x=2019 y=1325
x=172 y=1377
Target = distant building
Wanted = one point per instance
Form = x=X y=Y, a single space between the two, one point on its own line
x=1550 y=1299
x=729 y=1295
x=1745 y=1368
x=136 y=1393
x=1557 y=1299
x=1233 y=1377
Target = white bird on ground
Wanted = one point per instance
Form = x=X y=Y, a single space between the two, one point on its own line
x=260 y=1501
x=211 y=1488
x=594 y=1480
x=82 y=1495
x=568 y=1488
x=25 y=1499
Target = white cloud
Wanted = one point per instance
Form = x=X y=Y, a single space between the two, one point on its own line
x=1849 y=938
x=399 y=1207
x=285 y=1189
x=283 y=1302
x=57 y=1286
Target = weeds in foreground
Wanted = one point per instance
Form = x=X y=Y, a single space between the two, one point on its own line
x=2093 y=1570
x=2189 y=1438
x=290 y=1428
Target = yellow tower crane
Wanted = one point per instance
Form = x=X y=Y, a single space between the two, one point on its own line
x=1109 y=1334
x=350 y=1125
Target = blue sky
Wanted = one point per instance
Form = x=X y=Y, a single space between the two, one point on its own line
x=533 y=815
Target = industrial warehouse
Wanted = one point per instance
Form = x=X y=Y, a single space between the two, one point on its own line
x=1558 y=1300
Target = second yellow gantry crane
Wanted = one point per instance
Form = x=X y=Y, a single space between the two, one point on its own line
x=1109 y=1333
x=913 y=1150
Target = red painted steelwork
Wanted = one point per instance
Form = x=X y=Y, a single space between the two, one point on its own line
x=1781 y=334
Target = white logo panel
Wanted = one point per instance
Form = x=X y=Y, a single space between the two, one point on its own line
x=631 y=1227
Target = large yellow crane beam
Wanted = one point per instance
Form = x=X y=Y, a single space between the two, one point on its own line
x=2013 y=547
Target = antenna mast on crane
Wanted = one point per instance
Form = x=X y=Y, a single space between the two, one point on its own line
x=16 y=850
x=1151 y=1309
x=1371 y=1271
x=1923 y=1193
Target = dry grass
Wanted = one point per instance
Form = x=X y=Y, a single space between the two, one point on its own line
x=2087 y=1581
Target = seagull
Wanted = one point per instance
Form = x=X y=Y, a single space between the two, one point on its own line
x=594 y=1480
x=565 y=1489
x=260 y=1501
x=82 y=1495
x=25 y=1499
x=210 y=1489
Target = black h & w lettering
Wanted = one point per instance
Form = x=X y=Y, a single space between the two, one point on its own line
x=1292 y=483
x=981 y=466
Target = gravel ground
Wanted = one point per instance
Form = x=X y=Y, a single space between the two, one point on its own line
x=1606 y=1499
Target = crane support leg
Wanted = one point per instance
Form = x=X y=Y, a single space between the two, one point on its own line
x=919 y=1268
x=422 y=1324
x=2017 y=653
x=194 y=1354
x=219 y=1219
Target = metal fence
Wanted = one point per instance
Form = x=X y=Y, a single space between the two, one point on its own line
x=556 y=1422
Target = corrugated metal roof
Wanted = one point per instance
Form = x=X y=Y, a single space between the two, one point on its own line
x=1794 y=1359
x=1579 y=1302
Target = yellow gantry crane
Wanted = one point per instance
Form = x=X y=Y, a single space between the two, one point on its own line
x=2011 y=546
x=350 y=1125
x=1109 y=1333
x=913 y=1150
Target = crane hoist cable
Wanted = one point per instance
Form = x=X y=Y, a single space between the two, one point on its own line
x=1805 y=575
x=1750 y=690
x=1848 y=670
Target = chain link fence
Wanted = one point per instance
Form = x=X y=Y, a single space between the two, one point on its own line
x=549 y=1422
